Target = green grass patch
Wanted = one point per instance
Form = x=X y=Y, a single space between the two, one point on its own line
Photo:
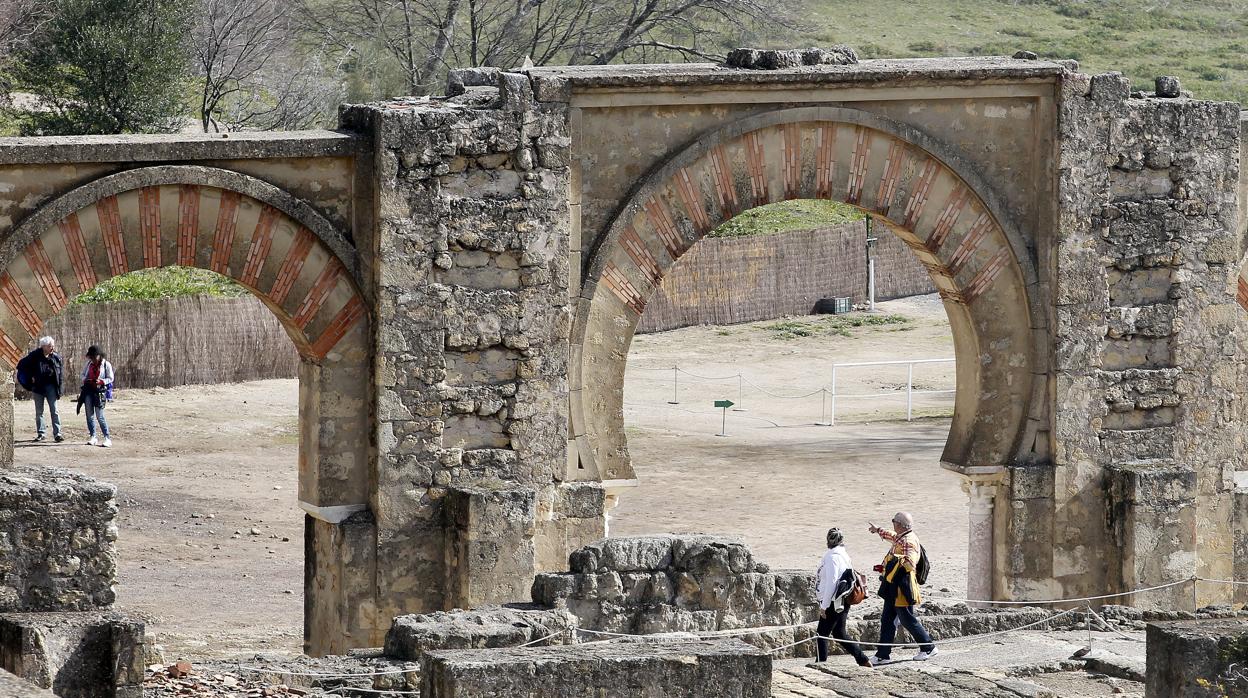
x=787 y=216
x=159 y=284
x=1202 y=43
x=831 y=325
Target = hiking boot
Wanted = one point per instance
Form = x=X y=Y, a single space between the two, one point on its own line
x=924 y=656
x=107 y=442
x=864 y=662
x=92 y=441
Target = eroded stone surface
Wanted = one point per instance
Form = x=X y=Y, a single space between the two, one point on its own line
x=691 y=669
x=57 y=541
x=77 y=655
x=509 y=626
x=670 y=583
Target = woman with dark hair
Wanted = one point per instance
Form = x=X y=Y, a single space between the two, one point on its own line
x=833 y=583
x=97 y=381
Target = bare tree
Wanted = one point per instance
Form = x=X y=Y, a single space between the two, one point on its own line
x=426 y=37
x=417 y=34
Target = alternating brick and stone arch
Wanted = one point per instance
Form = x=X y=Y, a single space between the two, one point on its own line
x=904 y=180
x=286 y=254
x=199 y=217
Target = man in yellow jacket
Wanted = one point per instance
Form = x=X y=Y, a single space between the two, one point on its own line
x=900 y=590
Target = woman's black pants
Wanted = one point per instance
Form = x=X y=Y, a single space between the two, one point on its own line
x=833 y=625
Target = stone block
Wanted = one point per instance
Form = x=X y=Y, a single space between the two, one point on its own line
x=1239 y=526
x=506 y=626
x=1192 y=659
x=1152 y=511
x=57 y=539
x=689 y=669
x=77 y=655
x=490 y=544
x=13 y=687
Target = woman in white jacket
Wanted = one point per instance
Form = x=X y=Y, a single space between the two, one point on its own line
x=833 y=582
x=97 y=379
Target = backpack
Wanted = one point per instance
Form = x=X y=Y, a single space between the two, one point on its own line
x=921 y=569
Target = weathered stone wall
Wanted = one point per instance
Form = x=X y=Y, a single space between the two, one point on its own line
x=1197 y=659
x=656 y=584
x=57 y=550
x=689 y=669
x=1148 y=430
x=513 y=625
x=77 y=655
x=473 y=316
x=722 y=281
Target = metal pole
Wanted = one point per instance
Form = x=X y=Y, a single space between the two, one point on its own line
x=823 y=409
x=909 y=391
x=740 y=393
x=871 y=283
x=675 y=384
x=723 y=429
x=832 y=399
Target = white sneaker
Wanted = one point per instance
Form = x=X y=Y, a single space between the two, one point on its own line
x=877 y=661
x=91 y=441
x=923 y=656
x=107 y=442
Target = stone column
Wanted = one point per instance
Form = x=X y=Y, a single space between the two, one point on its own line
x=979 y=545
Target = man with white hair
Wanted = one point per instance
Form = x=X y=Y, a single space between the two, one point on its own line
x=42 y=373
x=899 y=587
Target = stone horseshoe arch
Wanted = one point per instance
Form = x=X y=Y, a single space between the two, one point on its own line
x=289 y=257
x=275 y=245
x=917 y=188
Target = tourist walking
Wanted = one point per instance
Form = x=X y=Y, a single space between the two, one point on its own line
x=42 y=373
x=834 y=583
x=899 y=587
x=97 y=383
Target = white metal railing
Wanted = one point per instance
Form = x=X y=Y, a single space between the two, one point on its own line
x=910 y=391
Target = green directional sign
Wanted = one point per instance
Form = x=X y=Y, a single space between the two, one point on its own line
x=724 y=403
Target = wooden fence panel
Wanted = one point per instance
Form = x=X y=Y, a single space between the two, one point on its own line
x=181 y=341
x=724 y=281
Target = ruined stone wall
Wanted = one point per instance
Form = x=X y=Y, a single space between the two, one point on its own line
x=656 y=584
x=57 y=550
x=1147 y=419
x=473 y=317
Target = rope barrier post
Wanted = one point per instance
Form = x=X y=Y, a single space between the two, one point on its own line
x=823 y=409
x=1195 y=596
x=909 y=391
x=675 y=385
x=740 y=393
x=832 y=421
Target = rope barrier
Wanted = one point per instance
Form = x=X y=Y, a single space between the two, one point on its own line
x=764 y=391
x=316 y=675
x=935 y=643
x=373 y=691
x=710 y=378
x=1232 y=582
x=1104 y=623
x=542 y=639
x=1049 y=602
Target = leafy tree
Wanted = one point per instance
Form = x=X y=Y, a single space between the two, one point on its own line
x=107 y=66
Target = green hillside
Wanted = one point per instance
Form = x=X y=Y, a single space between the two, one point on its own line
x=1204 y=43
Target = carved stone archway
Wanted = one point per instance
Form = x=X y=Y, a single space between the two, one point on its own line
x=290 y=258
x=907 y=182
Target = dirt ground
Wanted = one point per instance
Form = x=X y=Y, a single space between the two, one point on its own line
x=778 y=479
x=200 y=468
x=197 y=470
